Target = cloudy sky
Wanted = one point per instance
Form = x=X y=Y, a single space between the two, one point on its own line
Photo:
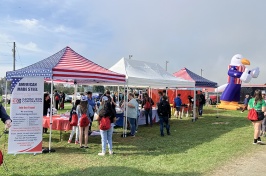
x=197 y=34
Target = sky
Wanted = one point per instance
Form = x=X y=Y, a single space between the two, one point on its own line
x=196 y=34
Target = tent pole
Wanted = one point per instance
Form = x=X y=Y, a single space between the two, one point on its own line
x=194 y=105
x=51 y=116
x=6 y=95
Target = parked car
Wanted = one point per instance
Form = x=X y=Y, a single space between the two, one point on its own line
x=4 y=99
x=72 y=96
x=68 y=98
x=214 y=98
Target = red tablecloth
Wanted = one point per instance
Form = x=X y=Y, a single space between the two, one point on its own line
x=59 y=123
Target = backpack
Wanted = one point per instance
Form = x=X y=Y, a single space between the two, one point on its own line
x=147 y=105
x=74 y=119
x=105 y=123
x=163 y=109
x=57 y=97
x=84 y=120
x=252 y=114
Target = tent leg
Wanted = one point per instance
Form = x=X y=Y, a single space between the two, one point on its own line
x=49 y=150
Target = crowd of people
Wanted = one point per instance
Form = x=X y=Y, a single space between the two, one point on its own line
x=86 y=108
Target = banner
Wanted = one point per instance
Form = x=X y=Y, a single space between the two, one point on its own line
x=26 y=112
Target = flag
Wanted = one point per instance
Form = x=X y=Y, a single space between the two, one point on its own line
x=14 y=83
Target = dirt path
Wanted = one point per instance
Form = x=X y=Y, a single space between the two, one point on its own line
x=253 y=164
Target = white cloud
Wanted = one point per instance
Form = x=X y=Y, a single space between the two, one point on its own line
x=28 y=23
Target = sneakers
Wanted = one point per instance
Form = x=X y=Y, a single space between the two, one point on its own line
x=101 y=154
x=111 y=152
x=260 y=142
x=69 y=141
x=76 y=142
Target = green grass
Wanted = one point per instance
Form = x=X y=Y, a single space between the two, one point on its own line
x=191 y=149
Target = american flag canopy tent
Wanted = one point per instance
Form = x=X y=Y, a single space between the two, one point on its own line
x=199 y=80
x=68 y=66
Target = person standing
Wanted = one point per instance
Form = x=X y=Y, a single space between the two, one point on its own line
x=147 y=104
x=75 y=129
x=245 y=103
x=57 y=99
x=91 y=102
x=202 y=102
x=263 y=125
x=259 y=105
x=46 y=106
x=178 y=103
x=132 y=113
x=164 y=112
x=62 y=100
x=105 y=111
x=84 y=121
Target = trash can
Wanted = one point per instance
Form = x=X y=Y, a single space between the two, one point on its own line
x=119 y=119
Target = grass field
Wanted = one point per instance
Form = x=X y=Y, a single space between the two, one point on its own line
x=193 y=148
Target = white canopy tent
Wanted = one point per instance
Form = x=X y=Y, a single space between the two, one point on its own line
x=146 y=74
x=152 y=75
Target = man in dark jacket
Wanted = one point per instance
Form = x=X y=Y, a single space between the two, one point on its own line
x=164 y=112
x=4 y=117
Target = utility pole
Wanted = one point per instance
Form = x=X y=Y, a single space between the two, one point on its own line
x=201 y=70
x=166 y=62
x=14 y=55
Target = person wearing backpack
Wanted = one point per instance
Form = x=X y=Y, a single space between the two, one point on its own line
x=106 y=121
x=147 y=104
x=75 y=129
x=164 y=112
x=260 y=106
x=84 y=121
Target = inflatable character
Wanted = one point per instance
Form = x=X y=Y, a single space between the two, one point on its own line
x=237 y=72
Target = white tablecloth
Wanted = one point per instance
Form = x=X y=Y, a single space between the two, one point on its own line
x=142 y=118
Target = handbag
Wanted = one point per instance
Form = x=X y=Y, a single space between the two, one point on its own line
x=252 y=115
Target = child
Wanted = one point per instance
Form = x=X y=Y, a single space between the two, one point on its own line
x=75 y=129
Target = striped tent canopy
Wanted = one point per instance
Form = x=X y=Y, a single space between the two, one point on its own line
x=186 y=74
x=68 y=66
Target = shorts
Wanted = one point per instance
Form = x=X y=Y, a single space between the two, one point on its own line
x=260 y=117
x=178 y=108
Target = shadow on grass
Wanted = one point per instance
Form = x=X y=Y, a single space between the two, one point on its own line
x=118 y=170
x=184 y=134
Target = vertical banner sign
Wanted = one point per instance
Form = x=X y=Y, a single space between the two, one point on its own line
x=25 y=134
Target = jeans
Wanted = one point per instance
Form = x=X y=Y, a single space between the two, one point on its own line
x=106 y=137
x=147 y=114
x=75 y=129
x=200 y=109
x=132 y=122
x=166 y=121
